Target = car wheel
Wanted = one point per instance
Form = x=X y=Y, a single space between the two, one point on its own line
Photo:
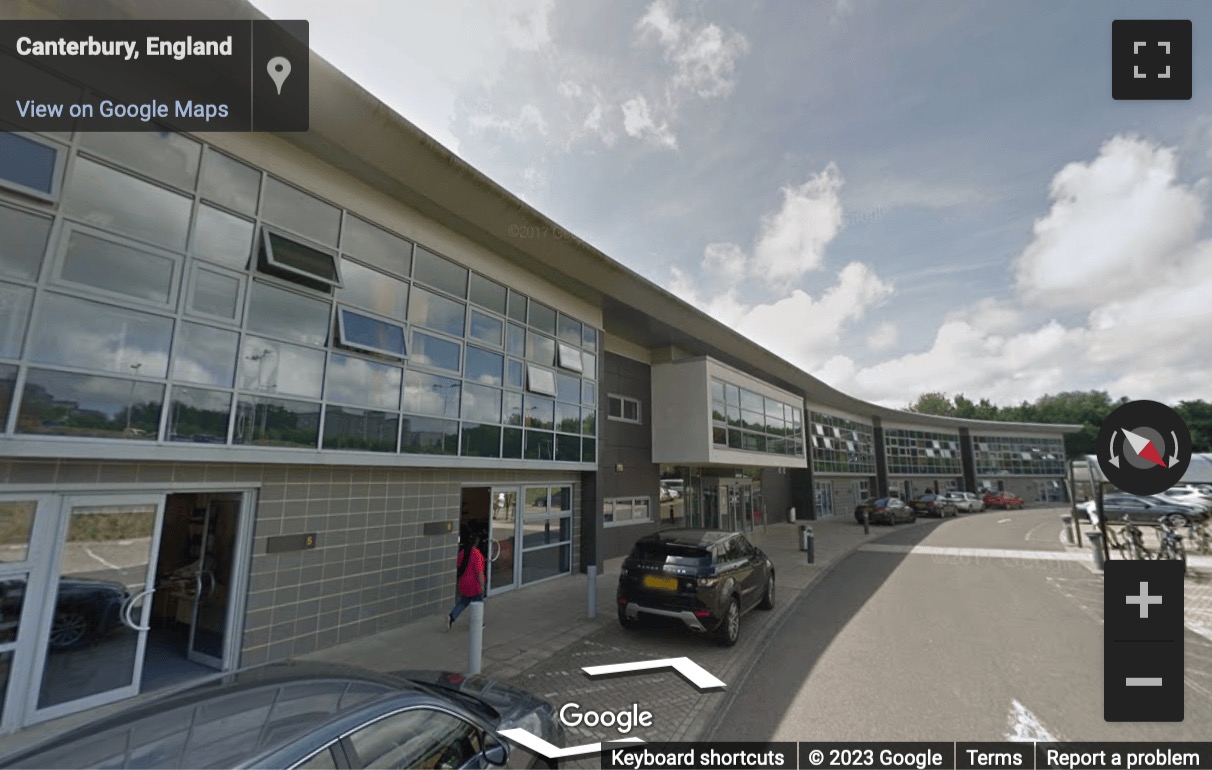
x=768 y=599
x=912 y=518
x=1177 y=520
x=68 y=629
x=730 y=629
x=627 y=622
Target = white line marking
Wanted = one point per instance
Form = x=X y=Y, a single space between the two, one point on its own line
x=1004 y=521
x=1025 y=727
x=529 y=740
x=1143 y=681
x=693 y=672
x=108 y=564
x=1002 y=553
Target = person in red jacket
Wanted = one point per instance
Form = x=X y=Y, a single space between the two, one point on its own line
x=472 y=578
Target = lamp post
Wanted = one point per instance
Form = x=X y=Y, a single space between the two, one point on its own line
x=260 y=359
x=130 y=398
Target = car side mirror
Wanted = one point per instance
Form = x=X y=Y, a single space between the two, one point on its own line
x=496 y=752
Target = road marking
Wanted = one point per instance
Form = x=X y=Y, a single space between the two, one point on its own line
x=689 y=670
x=108 y=564
x=1025 y=727
x=1004 y=521
x=529 y=740
x=992 y=553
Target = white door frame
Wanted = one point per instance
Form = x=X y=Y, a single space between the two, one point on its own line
x=24 y=647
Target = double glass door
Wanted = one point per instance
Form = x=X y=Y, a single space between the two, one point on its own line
x=530 y=535
x=729 y=504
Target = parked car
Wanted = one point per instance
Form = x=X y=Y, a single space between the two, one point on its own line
x=307 y=715
x=86 y=611
x=1003 y=500
x=699 y=579
x=965 y=502
x=1188 y=494
x=933 y=505
x=668 y=494
x=1143 y=510
x=884 y=510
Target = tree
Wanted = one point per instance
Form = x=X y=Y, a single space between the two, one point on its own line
x=933 y=403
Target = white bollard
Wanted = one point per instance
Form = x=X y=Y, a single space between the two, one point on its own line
x=475 y=651
x=593 y=591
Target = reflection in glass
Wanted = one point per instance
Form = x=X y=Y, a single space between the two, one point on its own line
x=222 y=237
x=486 y=328
x=198 y=416
x=542 y=317
x=546 y=562
x=540 y=349
x=539 y=446
x=12 y=599
x=589 y=338
x=27 y=163
x=488 y=293
x=164 y=155
x=296 y=261
x=514 y=374
x=15 y=302
x=536 y=534
x=568 y=419
x=503 y=551
x=483 y=366
x=230 y=183
x=436 y=312
x=511 y=443
x=424 y=435
x=430 y=394
x=568 y=448
x=568 y=388
x=588 y=422
x=589 y=393
x=216 y=294
x=83 y=405
x=516 y=340
x=481 y=404
x=365 y=383
x=536 y=501
x=373 y=290
x=114 y=267
x=589 y=450
x=276 y=367
x=288 y=315
x=111 y=200
x=570 y=358
x=361 y=429
x=24 y=243
x=75 y=332
x=433 y=351
x=376 y=245
x=481 y=440
x=569 y=330
x=513 y=408
x=276 y=422
x=16 y=526
x=517 y=306
x=8 y=381
x=540 y=380
x=298 y=212
x=540 y=413
x=206 y=355
x=440 y=273
x=589 y=365
x=372 y=335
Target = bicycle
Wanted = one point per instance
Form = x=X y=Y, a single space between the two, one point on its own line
x=1171 y=546
x=1198 y=536
x=1135 y=544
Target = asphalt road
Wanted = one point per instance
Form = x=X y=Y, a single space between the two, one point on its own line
x=896 y=646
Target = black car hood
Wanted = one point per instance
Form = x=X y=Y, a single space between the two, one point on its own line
x=511 y=705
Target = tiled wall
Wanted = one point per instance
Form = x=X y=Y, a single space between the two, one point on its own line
x=372 y=568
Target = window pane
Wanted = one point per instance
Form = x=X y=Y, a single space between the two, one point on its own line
x=15 y=302
x=631 y=410
x=300 y=213
x=83 y=405
x=486 y=328
x=23 y=244
x=288 y=315
x=539 y=446
x=75 y=332
x=276 y=367
x=366 y=333
x=199 y=416
x=569 y=330
x=114 y=267
x=589 y=393
x=589 y=365
x=589 y=338
x=568 y=420
x=111 y=200
x=230 y=183
x=276 y=422
x=568 y=388
x=517 y=306
x=436 y=312
x=360 y=429
x=376 y=245
x=513 y=409
x=423 y=435
x=8 y=382
x=514 y=374
x=542 y=317
x=27 y=163
x=357 y=381
x=511 y=443
x=216 y=294
x=536 y=534
x=373 y=290
x=205 y=355
x=516 y=341
x=16 y=527
x=570 y=358
x=431 y=395
x=546 y=562
x=540 y=413
x=163 y=155
x=481 y=440
x=540 y=349
x=589 y=422
x=435 y=352
x=588 y=450
x=541 y=380
x=440 y=273
x=484 y=366
x=489 y=294
x=284 y=254
x=717 y=391
x=222 y=237
x=481 y=404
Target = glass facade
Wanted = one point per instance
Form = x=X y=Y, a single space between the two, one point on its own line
x=840 y=445
x=917 y=452
x=749 y=421
x=1019 y=456
x=155 y=289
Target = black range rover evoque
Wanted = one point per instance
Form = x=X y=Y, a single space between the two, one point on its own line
x=704 y=579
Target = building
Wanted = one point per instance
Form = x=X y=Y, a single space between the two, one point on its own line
x=253 y=386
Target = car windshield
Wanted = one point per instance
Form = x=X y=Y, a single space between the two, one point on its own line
x=883 y=502
x=670 y=553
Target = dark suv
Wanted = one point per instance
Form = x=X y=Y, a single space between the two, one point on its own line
x=703 y=579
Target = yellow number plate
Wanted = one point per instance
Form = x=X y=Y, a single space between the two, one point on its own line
x=665 y=583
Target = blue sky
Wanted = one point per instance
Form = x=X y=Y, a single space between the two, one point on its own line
x=898 y=197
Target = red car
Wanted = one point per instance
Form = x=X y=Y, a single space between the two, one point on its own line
x=1002 y=500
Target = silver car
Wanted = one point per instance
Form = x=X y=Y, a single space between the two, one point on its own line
x=965 y=502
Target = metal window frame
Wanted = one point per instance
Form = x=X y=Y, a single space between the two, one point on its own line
x=532 y=386
x=267 y=246
x=343 y=339
x=70 y=228
x=61 y=153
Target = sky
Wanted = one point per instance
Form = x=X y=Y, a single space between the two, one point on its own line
x=896 y=197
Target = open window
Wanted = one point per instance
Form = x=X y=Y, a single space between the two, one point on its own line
x=31 y=165
x=570 y=358
x=367 y=333
x=540 y=380
x=292 y=260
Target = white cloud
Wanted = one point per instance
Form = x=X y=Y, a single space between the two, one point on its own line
x=704 y=57
x=528 y=121
x=638 y=123
x=792 y=240
x=883 y=337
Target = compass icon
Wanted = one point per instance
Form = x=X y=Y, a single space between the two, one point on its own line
x=1144 y=447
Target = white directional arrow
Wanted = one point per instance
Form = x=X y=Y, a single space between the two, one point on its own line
x=1137 y=441
x=1174 y=457
x=689 y=670
x=529 y=740
x=1114 y=457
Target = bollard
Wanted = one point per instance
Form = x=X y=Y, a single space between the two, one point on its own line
x=810 y=544
x=1096 y=544
x=866 y=523
x=593 y=591
x=1068 y=521
x=475 y=651
x=803 y=537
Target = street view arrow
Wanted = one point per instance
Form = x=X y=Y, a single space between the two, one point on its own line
x=1144 y=447
x=689 y=670
x=534 y=743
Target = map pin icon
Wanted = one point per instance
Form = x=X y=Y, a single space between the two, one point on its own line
x=279 y=70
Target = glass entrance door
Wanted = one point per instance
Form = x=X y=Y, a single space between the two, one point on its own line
x=94 y=627
x=209 y=622
x=502 y=541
